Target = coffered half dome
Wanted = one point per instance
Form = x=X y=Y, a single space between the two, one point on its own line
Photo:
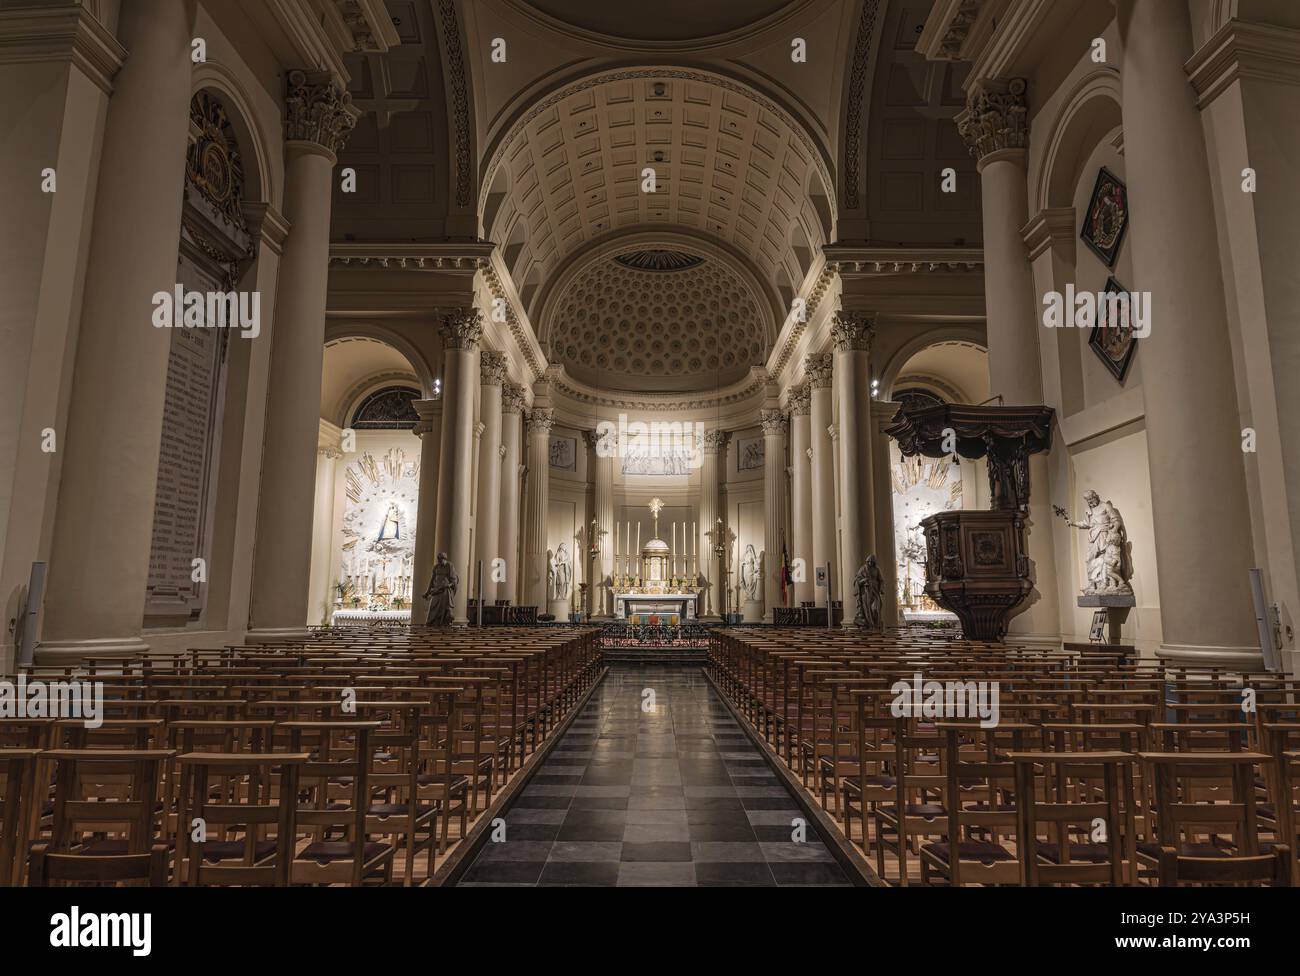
x=664 y=315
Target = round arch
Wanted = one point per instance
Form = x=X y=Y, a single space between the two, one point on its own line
x=261 y=173
x=424 y=374
x=925 y=339
x=1092 y=111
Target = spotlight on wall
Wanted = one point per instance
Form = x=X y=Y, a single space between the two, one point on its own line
x=437 y=387
x=875 y=388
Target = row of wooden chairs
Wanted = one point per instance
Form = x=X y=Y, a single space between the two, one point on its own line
x=1091 y=772
x=347 y=758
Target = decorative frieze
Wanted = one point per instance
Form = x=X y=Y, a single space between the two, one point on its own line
x=996 y=117
x=318 y=110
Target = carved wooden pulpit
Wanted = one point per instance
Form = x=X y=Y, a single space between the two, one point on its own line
x=976 y=563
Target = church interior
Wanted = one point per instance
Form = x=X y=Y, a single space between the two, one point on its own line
x=547 y=442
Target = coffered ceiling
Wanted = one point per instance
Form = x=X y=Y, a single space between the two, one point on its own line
x=657 y=147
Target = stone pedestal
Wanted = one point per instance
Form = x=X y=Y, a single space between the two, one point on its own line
x=753 y=612
x=1116 y=605
x=559 y=609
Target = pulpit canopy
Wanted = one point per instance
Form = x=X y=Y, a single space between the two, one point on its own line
x=1005 y=435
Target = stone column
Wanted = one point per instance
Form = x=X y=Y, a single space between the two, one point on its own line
x=429 y=430
x=801 y=499
x=605 y=448
x=774 y=430
x=713 y=449
x=461 y=330
x=99 y=557
x=995 y=128
x=323 y=557
x=882 y=415
x=852 y=333
x=512 y=407
x=318 y=117
x=818 y=368
x=1202 y=527
x=487 y=521
x=539 y=423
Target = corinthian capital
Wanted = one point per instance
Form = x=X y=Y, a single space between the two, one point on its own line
x=540 y=421
x=853 y=330
x=461 y=328
x=317 y=110
x=773 y=421
x=996 y=117
x=801 y=400
x=819 y=368
x=492 y=367
x=512 y=398
x=715 y=441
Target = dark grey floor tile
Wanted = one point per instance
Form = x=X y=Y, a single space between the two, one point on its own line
x=657 y=851
x=723 y=873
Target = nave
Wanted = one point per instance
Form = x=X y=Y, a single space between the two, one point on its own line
x=655 y=783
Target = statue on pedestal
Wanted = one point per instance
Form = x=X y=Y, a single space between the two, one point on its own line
x=441 y=593
x=869 y=587
x=563 y=573
x=1110 y=568
x=751 y=581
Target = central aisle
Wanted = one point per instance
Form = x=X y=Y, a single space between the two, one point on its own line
x=674 y=796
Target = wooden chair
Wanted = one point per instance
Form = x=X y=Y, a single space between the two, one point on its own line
x=1078 y=794
x=224 y=825
x=334 y=802
x=1214 y=842
x=105 y=820
x=17 y=803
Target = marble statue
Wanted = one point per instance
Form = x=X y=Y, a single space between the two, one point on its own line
x=1109 y=566
x=441 y=593
x=869 y=586
x=750 y=580
x=392 y=525
x=563 y=573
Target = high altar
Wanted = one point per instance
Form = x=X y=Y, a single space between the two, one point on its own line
x=656 y=584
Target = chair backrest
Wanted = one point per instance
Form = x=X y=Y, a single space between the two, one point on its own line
x=1065 y=795
x=223 y=833
x=1206 y=820
x=106 y=817
x=17 y=803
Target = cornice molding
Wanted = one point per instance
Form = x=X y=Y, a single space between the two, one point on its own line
x=852 y=259
x=461 y=256
x=953 y=28
x=1244 y=50
x=271 y=226
x=73 y=34
x=1054 y=228
x=753 y=385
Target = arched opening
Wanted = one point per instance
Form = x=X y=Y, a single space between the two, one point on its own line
x=367 y=482
x=947 y=371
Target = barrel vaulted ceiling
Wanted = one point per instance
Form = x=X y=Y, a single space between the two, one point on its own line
x=759 y=160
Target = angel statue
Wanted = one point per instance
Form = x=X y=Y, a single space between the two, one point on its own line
x=1109 y=565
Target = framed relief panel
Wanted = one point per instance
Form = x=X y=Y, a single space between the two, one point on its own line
x=1112 y=337
x=1107 y=218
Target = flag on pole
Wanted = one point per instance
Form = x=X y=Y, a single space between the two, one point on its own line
x=786 y=577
